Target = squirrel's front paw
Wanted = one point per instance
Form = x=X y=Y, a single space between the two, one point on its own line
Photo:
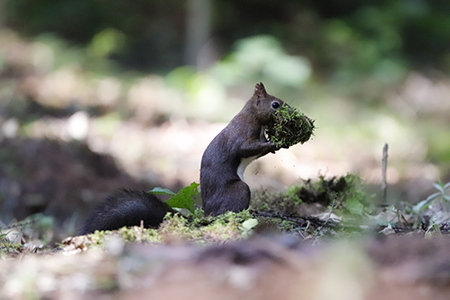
x=276 y=147
x=279 y=147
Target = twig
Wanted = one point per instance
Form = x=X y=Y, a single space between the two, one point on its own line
x=326 y=221
x=302 y=221
x=20 y=224
x=383 y=173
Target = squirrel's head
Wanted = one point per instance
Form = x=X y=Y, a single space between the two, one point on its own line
x=265 y=105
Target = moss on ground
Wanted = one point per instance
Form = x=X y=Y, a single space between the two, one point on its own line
x=296 y=211
x=198 y=229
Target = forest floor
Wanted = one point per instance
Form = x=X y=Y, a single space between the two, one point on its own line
x=324 y=248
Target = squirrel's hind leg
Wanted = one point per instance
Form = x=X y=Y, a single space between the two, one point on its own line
x=234 y=197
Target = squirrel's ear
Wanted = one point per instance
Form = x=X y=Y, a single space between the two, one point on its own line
x=260 y=90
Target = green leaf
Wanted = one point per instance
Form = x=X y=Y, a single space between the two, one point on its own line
x=437 y=229
x=447 y=186
x=185 y=198
x=439 y=187
x=247 y=227
x=249 y=224
x=4 y=234
x=160 y=190
x=424 y=204
x=354 y=206
x=433 y=196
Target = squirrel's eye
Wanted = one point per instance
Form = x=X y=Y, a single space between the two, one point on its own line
x=275 y=104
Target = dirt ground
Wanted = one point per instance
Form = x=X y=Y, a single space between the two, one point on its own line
x=277 y=267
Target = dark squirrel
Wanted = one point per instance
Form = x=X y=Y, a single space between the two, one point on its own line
x=239 y=143
x=221 y=173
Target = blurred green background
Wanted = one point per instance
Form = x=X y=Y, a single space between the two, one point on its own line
x=96 y=95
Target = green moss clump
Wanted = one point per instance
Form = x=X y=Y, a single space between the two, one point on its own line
x=177 y=227
x=280 y=202
x=225 y=227
x=138 y=234
x=290 y=127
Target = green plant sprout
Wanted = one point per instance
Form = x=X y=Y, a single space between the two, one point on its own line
x=183 y=199
x=5 y=243
x=443 y=194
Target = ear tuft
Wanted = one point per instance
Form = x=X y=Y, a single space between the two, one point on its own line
x=260 y=90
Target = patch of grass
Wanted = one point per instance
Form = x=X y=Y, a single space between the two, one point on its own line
x=9 y=246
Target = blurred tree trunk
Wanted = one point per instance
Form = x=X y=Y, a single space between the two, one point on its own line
x=198 y=32
x=2 y=13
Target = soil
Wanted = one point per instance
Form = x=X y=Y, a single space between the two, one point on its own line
x=60 y=179
x=396 y=267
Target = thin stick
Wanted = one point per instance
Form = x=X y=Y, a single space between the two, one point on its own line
x=383 y=173
x=326 y=221
x=301 y=221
